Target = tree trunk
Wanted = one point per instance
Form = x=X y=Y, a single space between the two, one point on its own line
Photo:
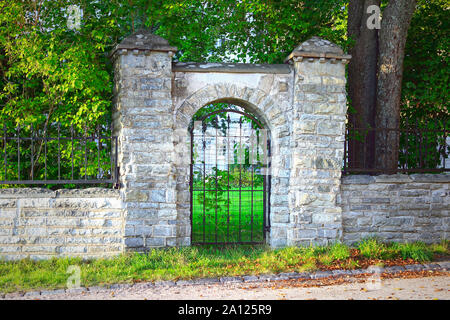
x=362 y=85
x=392 y=39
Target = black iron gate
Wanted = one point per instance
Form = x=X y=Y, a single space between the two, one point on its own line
x=230 y=179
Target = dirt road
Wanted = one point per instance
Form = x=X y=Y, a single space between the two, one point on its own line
x=429 y=288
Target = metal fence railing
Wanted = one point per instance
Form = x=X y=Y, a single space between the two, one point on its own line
x=58 y=155
x=423 y=148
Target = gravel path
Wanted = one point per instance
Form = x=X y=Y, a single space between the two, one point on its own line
x=429 y=288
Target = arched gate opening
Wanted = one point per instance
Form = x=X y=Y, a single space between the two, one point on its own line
x=229 y=176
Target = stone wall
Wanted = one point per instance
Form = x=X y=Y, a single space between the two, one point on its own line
x=303 y=106
x=40 y=223
x=396 y=207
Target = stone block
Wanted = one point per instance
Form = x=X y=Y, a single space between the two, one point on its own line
x=134 y=242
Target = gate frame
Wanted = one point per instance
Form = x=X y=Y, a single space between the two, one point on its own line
x=302 y=103
x=266 y=180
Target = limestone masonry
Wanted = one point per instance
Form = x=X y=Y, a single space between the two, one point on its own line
x=40 y=223
x=303 y=105
x=396 y=207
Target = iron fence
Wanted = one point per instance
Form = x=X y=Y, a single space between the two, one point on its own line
x=424 y=147
x=58 y=155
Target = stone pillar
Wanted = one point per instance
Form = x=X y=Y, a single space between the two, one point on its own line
x=317 y=142
x=142 y=119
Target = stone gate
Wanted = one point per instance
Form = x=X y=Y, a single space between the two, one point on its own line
x=301 y=102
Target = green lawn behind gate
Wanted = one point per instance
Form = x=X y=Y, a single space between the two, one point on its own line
x=237 y=218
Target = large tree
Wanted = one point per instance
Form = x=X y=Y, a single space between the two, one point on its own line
x=375 y=79
x=362 y=84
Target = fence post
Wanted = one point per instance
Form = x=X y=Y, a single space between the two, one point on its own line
x=143 y=123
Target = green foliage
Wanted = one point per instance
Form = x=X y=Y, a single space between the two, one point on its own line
x=425 y=88
x=50 y=74
x=425 y=92
x=250 y=30
x=339 y=251
x=372 y=248
x=417 y=251
x=233 y=217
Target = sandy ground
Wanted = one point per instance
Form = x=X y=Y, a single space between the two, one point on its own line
x=428 y=288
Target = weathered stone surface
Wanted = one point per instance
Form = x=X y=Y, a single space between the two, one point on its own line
x=231 y=279
x=251 y=278
x=144 y=40
x=43 y=224
x=394 y=208
x=231 y=67
x=321 y=274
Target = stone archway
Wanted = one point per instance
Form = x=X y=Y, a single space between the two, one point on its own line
x=262 y=105
x=302 y=102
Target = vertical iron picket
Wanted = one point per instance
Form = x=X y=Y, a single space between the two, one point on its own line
x=85 y=152
x=59 y=151
x=18 y=153
x=32 y=151
x=4 y=149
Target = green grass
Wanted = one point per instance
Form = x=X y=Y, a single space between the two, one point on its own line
x=372 y=248
x=207 y=261
x=419 y=251
x=240 y=220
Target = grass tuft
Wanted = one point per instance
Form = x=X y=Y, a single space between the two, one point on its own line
x=372 y=248
x=417 y=251
x=441 y=248
x=339 y=251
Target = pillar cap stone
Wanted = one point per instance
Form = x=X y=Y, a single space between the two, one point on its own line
x=144 y=40
x=317 y=47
